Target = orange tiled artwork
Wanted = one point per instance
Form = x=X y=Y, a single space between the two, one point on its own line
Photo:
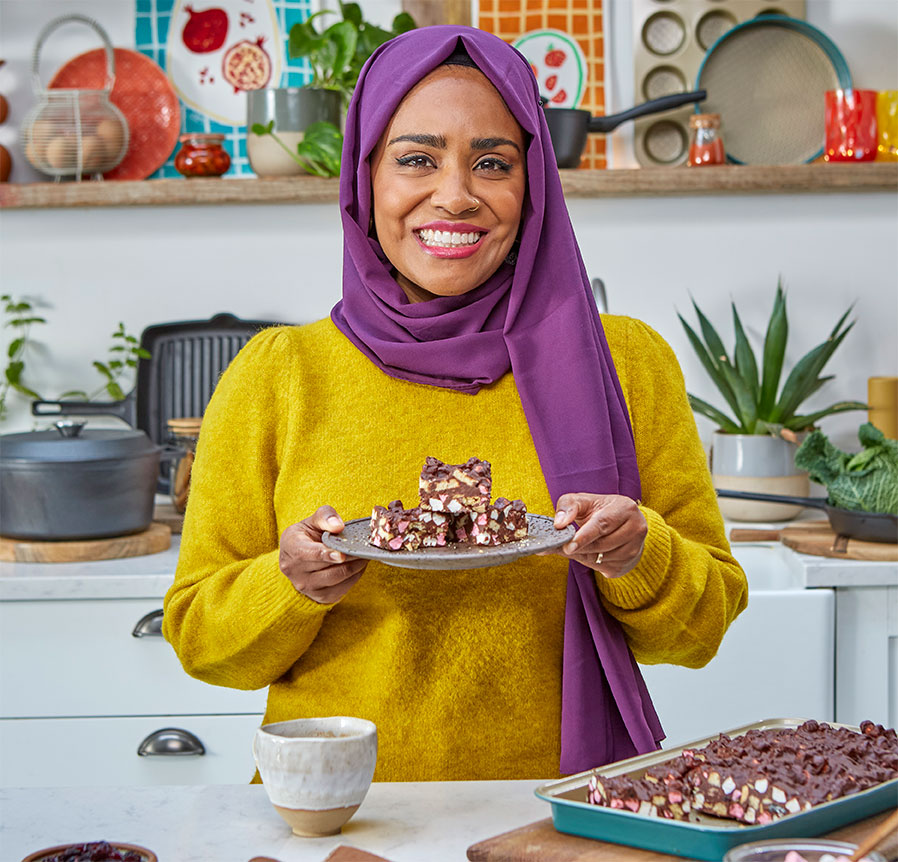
x=579 y=19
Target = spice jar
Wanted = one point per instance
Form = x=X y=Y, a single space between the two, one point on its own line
x=202 y=155
x=707 y=145
x=184 y=434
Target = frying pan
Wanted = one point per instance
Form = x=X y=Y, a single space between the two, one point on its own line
x=569 y=127
x=766 y=78
x=866 y=526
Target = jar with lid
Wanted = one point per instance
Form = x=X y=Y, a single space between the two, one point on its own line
x=202 y=155
x=183 y=435
x=707 y=145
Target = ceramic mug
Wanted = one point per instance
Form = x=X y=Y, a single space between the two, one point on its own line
x=316 y=771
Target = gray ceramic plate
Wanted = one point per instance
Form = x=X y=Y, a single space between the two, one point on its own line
x=543 y=537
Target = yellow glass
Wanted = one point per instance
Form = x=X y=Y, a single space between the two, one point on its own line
x=887 y=122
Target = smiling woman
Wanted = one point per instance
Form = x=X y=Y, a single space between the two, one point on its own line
x=467 y=328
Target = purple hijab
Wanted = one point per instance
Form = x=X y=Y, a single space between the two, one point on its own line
x=532 y=318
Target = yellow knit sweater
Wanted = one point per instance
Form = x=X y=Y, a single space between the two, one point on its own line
x=460 y=670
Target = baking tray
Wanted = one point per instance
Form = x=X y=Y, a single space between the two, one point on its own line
x=702 y=836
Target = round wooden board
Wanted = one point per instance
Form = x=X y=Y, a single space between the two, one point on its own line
x=821 y=541
x=156 y=538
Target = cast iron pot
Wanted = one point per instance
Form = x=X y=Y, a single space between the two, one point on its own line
x=70 y=483
x=568 y=127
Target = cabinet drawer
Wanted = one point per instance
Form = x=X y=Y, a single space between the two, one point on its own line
x=80 y=658
x=70 y=752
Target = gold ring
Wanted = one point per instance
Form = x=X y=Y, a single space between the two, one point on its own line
x=599 y=557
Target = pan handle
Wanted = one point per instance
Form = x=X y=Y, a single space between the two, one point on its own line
x=655 y=106
x=813 y=502
x=123 y=409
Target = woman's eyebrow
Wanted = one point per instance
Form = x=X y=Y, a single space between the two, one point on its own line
x=436 y=141
x=492 y=143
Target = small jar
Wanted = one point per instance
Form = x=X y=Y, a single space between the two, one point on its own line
x=202 y=155
x=707 y=145
x=184 y=434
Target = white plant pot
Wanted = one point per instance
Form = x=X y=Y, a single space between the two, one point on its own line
x=761 y=464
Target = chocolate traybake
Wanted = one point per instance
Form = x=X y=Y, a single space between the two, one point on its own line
x=455 y=488
x=759 y=776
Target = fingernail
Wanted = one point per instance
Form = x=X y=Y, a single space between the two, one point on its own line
x=570 y=547
x=334 y=521
x=559 y=516
x=336 y=556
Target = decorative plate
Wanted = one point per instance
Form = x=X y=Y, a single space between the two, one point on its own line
x=353 y=541
x=558 y=63
x=144 y=95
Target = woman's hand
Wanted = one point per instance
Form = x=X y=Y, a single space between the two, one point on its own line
x=611 y=535
x=325 y=576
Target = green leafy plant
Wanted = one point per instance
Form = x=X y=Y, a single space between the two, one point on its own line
x=124 y=353
x=319 y=150
x=337 y=53
x=758 y=404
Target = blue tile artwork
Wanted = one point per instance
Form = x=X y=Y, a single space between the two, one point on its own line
x=152 y=21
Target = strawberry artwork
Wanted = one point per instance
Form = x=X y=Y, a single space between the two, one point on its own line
x=560 y=96
x=554 y=57
x=551 y=82
x=205 y=30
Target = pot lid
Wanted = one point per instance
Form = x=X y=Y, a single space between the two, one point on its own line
x=70 y=441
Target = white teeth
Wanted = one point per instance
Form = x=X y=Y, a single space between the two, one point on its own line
x=448 y=239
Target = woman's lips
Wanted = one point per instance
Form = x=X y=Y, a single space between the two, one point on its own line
x=446 y=240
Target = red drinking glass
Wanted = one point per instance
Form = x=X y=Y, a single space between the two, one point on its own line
x=851 y=134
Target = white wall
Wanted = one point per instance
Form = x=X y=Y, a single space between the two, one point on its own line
x=92 y=268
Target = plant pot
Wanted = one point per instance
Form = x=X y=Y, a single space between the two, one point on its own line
x=293 y=109
x=761 y=464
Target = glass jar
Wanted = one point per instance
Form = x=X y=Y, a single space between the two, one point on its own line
x=707 y=145
x=183 y=434
x=202 y=155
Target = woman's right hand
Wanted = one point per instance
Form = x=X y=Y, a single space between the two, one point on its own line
x=325 y=576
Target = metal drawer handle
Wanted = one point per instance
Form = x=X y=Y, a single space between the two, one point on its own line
x=149 y=625
x=171 y=742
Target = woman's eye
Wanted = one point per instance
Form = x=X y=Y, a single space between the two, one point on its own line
x=414 y=161
x=493 y=165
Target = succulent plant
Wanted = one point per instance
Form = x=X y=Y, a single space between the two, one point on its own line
x=758 y=404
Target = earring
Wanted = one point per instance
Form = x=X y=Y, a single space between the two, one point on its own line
x=512 y=257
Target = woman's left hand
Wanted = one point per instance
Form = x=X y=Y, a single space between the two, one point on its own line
x=611 y=535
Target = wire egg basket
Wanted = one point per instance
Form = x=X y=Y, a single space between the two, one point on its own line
x=74 y=133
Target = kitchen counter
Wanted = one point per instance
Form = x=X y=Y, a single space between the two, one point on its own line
x=405 y=822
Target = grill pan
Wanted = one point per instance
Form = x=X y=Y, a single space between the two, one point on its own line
x=766 y=78
x=866 y=526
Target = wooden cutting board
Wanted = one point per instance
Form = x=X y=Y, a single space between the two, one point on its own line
x=165 y=513
x=156 y=538
x=817 y=538
x=539 y=842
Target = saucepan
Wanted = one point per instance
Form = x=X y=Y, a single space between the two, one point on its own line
x=570 y=126
x=866 y=526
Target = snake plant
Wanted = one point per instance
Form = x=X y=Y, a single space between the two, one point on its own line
x=758 y=404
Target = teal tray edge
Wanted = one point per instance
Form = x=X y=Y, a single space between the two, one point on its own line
x=710 y=843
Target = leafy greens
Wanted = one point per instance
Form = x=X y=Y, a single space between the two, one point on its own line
x=866 y=481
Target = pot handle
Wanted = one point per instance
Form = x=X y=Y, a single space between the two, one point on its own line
x=812 y=502
x=124 y=409
x=655 y=106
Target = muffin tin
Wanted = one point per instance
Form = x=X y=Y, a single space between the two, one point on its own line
x=670 y=39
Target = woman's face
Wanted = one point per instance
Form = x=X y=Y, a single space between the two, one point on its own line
x=448 y=179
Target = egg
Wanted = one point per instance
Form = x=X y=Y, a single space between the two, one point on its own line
x=111 y=133
x=94 y=157
x=62 y=153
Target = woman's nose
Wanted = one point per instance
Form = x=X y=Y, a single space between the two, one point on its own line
x=453 y=193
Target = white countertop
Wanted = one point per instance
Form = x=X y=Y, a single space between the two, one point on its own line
x=404 y=822
x=150 y=576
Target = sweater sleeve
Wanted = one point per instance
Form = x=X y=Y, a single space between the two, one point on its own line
x=232 y=616
x=677 y=603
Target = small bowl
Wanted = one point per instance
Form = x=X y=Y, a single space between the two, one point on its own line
x=812 y=849
x=316 y=771
x=41 y=855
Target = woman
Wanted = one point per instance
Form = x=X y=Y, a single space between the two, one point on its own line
x=467 y=327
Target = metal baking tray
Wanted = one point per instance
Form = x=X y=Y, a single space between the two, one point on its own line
x=702 y=836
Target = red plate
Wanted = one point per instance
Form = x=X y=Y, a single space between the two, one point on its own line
x=144 y=95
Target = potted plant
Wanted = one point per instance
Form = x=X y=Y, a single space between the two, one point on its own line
x=297 y=129
x=753 y=448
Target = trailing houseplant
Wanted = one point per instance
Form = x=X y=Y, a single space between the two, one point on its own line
x=753 y=393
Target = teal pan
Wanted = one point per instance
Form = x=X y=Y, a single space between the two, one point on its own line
x=702 y=837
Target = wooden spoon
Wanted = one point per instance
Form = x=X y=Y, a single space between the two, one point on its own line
x=889 y=825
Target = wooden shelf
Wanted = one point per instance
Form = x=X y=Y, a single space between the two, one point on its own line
x=819 y=177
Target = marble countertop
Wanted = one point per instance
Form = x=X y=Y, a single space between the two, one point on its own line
x=150 y=576
x=404 y=822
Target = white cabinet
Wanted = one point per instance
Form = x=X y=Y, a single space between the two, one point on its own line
x=84 y=683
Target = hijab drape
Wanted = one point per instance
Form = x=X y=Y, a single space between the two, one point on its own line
x=536 y=318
